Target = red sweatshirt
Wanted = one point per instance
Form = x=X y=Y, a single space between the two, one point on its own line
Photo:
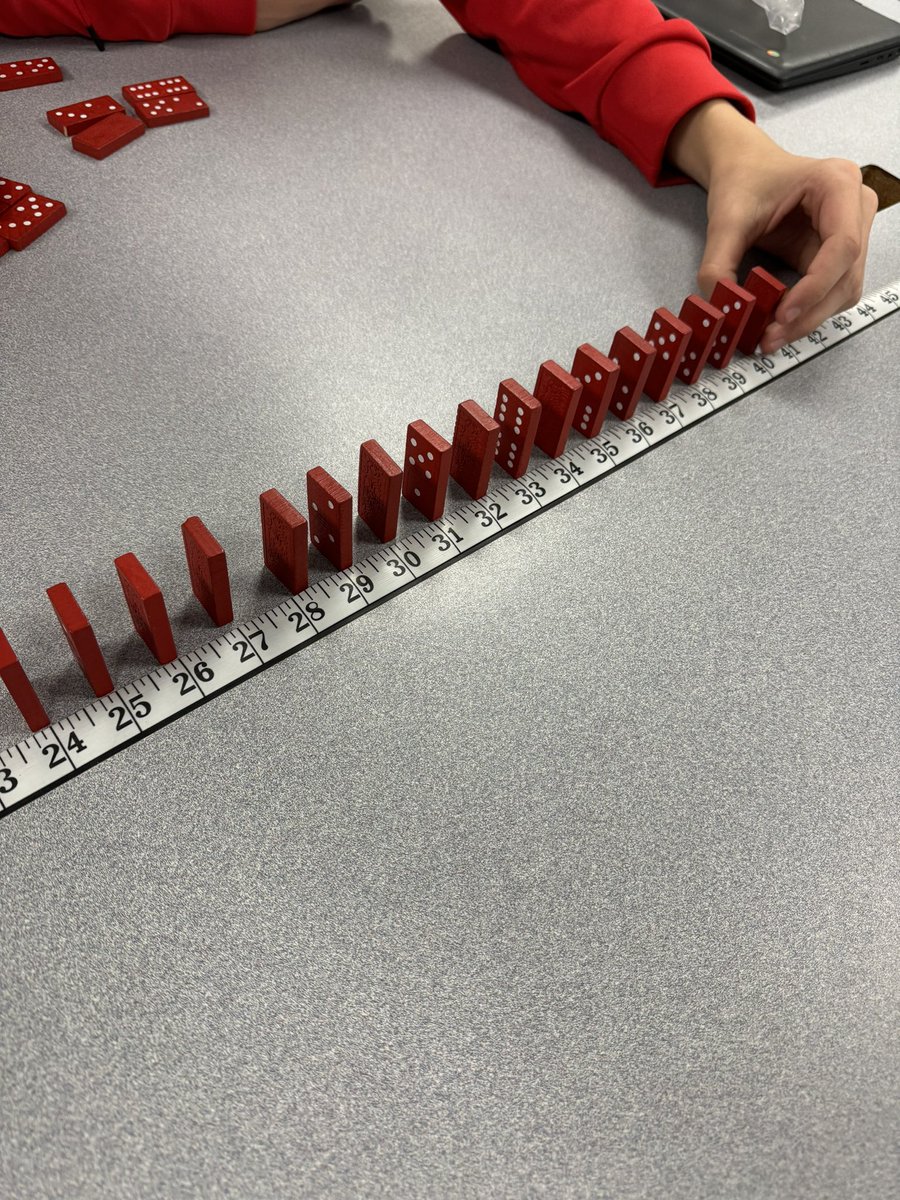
x=631 y=74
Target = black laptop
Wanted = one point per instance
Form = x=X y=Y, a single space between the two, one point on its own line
x=834 y=38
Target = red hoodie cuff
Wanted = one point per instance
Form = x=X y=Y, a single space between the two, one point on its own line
x=649 y=93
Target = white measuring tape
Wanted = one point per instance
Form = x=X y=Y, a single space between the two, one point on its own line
x=71 y=745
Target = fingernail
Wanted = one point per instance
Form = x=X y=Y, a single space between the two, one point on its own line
x=791 y=315
x=775 y=346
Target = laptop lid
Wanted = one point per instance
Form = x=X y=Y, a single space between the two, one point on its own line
x=834 y=38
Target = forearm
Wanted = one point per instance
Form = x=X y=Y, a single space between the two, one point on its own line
x=631 y=74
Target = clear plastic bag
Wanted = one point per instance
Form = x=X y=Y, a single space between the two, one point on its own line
x=784 y=15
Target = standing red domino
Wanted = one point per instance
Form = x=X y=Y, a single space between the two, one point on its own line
x=598 y=375
x=330 y=517
x=634 y=356
x=147 y=608
x=378 y=490
x=4 y=246
x=208 y=569
x=29 y=72
x=518 y=415
x=19 y=686
x=81 y=638
x=736 y=305
x=285 y=540
x=705 y=322
x=426 y=469
x=153 y=89
x=11 y=193
x=767 y=291
x=170 y=110
x=108 y=135
x=558 y=394
x=71 y=118
x=475 y=439
x=25 y=222
x=671 y=337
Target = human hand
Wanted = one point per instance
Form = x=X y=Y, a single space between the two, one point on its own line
x=814 y=214
x=272 y=13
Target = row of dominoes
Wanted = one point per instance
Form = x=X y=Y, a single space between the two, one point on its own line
x=676 y=348
x=164 y=693
x=101 y=126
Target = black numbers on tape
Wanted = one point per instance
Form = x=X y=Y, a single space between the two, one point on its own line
x=120 y=715
x=298 y=619
x=185 y=683
x=203 y=672
x=75 y=743
x=314 y=611
x=258 y=635
x=8 y=781
x=446 y=541
x=350 y=592
x=841 y=322
x=244 y=650
x=53 y=752
x=365 y=584
x=410 y=558
x=139 y=706
x=705 y=395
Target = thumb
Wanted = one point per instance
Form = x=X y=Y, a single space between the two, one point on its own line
x=726 y=244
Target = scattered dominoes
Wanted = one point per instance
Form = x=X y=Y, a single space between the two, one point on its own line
x=29 y=72
x=24 y=222
x=71 y=118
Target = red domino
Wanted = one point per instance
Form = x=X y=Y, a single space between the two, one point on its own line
x=19 y=685
x=170 y=110
x=147 y=607
x=705 y=322
x=635 y=357
x=518 y=415
x=153 y=89
x=475 y=439
x=767 y=291
x=426 y=469
x=29 y=72
x=558 y=394
x=72 y=118
x=81 y=638
x=330 y=517
x=736 y=304
x=670 y=336
x=108 y=135
x=378 y=490
x=25 y=222
x=4 y=246
x=11 y=192
x=598 y=375
x=208 y=570
x=285 y=540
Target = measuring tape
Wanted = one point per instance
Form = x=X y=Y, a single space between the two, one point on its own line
x=71 y=745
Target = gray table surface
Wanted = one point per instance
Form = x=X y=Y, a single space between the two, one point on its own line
x=574 y=870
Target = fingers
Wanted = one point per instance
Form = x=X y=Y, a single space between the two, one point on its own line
x=841 y=212
x=726 y=244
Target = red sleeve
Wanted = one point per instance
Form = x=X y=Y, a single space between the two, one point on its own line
x=631 y=73
x=126 y=20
